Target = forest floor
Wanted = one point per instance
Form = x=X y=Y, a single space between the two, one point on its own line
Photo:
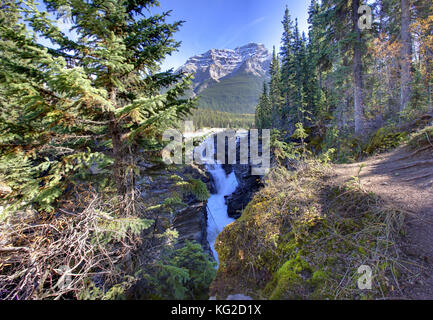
x=404 y=179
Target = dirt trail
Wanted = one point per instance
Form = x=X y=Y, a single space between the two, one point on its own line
x=405 y=180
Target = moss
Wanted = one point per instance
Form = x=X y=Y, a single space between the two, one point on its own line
x=384 y=139
x=287 y=282
x=319 y=276
x=422 y=138
x=293 y=281
x=301 y=243
x=199 y=189
x=319 y=282
x=195 y=187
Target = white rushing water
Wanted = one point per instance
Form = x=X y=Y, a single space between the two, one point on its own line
x=217 y=217
x=225 y=185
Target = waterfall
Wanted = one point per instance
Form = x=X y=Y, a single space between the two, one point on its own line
x=225 y=185
x=217 y=217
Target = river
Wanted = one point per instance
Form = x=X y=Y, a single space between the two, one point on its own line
x=225 y=185
x=217 y=217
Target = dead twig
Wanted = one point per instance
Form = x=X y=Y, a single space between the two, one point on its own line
x=55 y=259
x=14 y=249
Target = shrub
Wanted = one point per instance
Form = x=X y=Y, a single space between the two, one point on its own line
x=186 y=274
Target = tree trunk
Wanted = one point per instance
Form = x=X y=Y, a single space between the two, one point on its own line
x=123 y=158
x=406 y=56
x=123 y=173
x=428 y=61
x=357 y=72
x=118 y=160
x=430 y=108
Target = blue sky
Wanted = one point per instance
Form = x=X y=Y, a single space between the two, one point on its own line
x=227 y=24
x=222 y=24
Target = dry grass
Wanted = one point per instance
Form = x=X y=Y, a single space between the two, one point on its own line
x=302 y=237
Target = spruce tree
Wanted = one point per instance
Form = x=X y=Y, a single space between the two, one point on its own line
x=288 y=64
x=297 y=108
x=97 y=98
x=263 y=118
x=317 y=62
x=275 y=92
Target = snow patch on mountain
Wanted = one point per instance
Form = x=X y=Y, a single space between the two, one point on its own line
x=216 y=64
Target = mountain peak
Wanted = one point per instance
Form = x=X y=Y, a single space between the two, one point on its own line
x=252 y=45
x=216 y=64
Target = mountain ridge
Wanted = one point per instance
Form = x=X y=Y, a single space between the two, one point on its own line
x=229 y=80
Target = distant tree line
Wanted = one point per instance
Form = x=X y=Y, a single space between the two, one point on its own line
x=206 y=118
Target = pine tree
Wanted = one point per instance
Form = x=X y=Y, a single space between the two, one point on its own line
x=357 y=72
x=92 y=99
x=288 y=65
x=263 y=119
x=406 y=55
x=275 y=92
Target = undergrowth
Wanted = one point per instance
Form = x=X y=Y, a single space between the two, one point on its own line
x=422 y=139
x=350 y=148
x=302 y=237
x=85 y=249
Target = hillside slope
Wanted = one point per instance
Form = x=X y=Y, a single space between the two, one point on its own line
x=306 y=233
x=236 y=94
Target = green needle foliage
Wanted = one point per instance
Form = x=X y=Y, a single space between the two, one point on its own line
x=93 y=97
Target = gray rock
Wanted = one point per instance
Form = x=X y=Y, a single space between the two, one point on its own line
x=234 y=297
x=238 y=297
x=191 y=224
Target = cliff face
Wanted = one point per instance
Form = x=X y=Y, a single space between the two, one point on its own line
x=248 y=185
x=189 y=219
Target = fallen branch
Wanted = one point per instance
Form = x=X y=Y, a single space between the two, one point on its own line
x=414 y=164
x=419 y=177
x=14 y=249
x=55 y=260
x=414 y=153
